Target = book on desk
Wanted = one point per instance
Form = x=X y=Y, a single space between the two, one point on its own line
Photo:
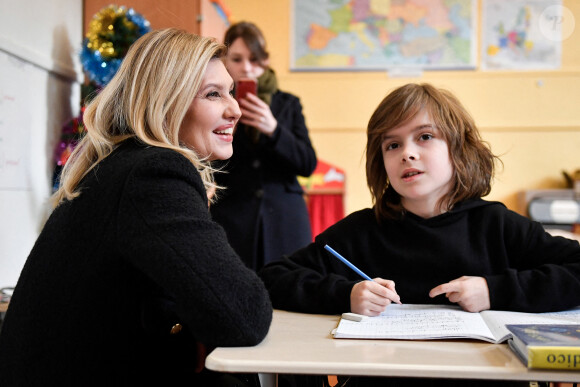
x=547 y=345
x=428 y=322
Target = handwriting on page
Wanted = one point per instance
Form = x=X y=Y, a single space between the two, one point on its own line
x=423 y=322
x=409 y=322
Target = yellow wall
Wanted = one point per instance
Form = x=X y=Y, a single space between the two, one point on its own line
x=531 y=119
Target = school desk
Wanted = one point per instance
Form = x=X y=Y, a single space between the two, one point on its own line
x=302 y=344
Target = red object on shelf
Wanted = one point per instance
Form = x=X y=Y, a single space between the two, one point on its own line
x=324 y=196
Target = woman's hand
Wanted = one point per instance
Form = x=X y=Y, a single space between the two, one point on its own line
x=371 y=298
x=257 y=113
x=471 y=293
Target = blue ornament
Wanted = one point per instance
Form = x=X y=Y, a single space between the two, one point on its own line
x=101 y=70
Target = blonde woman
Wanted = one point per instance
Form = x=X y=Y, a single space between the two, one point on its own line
x=130 y=280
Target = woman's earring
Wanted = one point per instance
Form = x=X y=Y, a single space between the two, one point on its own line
x=387 y=183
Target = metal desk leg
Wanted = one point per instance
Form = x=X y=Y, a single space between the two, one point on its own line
x=268 y=380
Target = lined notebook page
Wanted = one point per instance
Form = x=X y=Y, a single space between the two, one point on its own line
x=410 y=321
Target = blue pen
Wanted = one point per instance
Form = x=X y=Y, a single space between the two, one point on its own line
x=347 y=263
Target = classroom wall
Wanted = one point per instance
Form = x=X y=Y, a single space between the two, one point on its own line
x=39 y=92
x=531 y=119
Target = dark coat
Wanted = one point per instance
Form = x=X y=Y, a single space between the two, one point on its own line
x=263 y=209
x=115 y=268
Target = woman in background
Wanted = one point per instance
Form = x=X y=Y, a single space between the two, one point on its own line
x=262 y=208
x=130 y=279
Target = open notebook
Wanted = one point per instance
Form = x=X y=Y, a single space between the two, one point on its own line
x=426 y=322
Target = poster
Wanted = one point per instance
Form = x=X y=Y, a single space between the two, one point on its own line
x=523 y=34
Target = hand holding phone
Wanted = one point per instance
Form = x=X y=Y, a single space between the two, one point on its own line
x=245 y=86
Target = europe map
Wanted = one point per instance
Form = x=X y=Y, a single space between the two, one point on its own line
x=383 y=34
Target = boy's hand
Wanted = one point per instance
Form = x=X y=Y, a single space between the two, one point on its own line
x=471 y=293
x=371 y=298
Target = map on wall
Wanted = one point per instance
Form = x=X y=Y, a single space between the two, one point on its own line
x=383 y=34
x=523 y=34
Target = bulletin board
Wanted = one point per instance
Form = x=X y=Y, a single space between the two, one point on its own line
x=15 y=122
x=39 y=91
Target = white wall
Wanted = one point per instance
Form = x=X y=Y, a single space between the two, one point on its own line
x=39 y=91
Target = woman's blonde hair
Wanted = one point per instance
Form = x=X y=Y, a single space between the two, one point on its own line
x=471 y=158
x=147 y=99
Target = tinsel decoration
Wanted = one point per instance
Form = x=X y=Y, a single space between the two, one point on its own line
x=72 y=132
x=111 y=32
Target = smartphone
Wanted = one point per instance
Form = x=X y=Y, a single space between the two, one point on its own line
x=245 y=86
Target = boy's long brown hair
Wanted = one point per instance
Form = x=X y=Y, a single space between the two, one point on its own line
x=471 y=158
